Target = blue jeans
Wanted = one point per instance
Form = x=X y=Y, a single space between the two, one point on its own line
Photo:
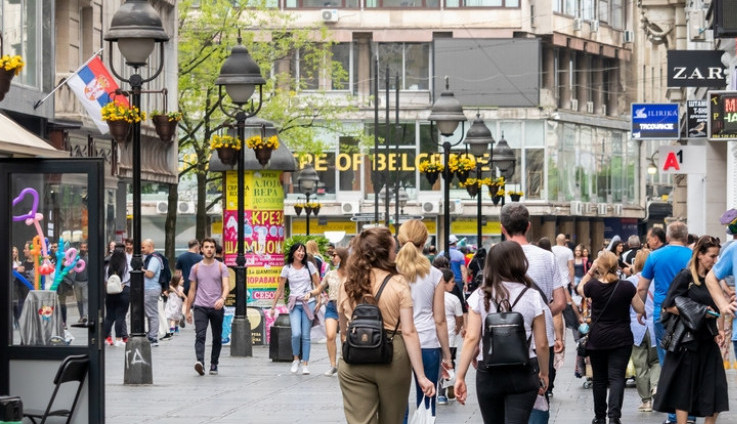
x=659 y=333
x=301 y=326
x=431 y=364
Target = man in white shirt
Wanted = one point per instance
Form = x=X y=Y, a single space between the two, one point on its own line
x=564 y=258
x=543 y=270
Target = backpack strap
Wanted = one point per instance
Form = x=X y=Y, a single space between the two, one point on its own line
x=378 y=294
x=518 y=298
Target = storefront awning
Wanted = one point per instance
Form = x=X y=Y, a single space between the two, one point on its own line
x=16 y=141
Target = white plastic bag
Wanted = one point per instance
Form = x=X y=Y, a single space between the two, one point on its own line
x=423 y=414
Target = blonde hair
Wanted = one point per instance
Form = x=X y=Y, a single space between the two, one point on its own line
x=608 y=265
x=311 y=247
x=411 y=263
x=640 y=259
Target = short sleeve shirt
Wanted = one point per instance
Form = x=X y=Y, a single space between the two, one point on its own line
x=662 y=265
x=151 y=284
x=612 y=328
x=185 y=262
x=423 y=294
x=562 y=256
x=544 y=271
x=300 y=280
x=209 y=279
x=530 y=305
x=453 y=309
x=396 y=296
x=725 y=265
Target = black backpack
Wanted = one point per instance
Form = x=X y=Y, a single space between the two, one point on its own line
x=505 y=341
x=367 y=342
x=165 y=274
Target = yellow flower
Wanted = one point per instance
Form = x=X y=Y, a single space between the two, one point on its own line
x=12 y=63
x=224 y=141
x=485 y=181
x=471 y=182
x=515 y=193
x=500 y=192
x=431 y=167
x=314 y=205
x=256 y=142
x=173 y=116
x=461 y=163
x=117 y=111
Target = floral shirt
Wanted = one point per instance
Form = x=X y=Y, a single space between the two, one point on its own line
x=333 y=281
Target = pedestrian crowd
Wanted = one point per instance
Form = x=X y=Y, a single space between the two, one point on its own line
x=659 y=313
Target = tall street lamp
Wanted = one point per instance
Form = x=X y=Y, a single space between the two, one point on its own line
x=136 y=28
x=240 y=75
x=447 y=113
x=503 y=159
x=307 y=182
x=478 y=139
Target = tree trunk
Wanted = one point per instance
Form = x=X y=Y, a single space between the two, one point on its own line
x=201 y=223
x=170 y=225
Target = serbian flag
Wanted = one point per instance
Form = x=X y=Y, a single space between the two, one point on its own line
x=95 y=88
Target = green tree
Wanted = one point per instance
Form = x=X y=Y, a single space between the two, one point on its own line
x=207 y=32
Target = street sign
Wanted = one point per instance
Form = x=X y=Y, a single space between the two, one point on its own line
x=682 y=159
x=655 y=121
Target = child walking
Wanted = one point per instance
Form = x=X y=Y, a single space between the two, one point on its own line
x=176 y=298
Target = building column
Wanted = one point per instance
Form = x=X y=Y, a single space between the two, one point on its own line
x=597 y=235
x=583 y=232
x=547 y=227
x=566 y=225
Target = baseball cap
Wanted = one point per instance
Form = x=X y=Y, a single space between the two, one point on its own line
x=452 y=239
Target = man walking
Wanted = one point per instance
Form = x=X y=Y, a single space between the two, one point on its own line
x=543 y=270
x=209 y=286
x=662 y=265
x=457 y=263
x=564 y=258
x=186 y=261
x=81 y=285
x=151 y=290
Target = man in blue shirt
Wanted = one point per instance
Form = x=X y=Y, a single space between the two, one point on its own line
x=662 y=265
x=151 y=290
x=457 y=263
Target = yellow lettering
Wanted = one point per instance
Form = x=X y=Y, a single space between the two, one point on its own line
x=343 y=162
x=392 y=161
x=304 y=160
x=406 y=166
x=381 y=163
x=357 y=161
x=420 y=158
x=321 y=163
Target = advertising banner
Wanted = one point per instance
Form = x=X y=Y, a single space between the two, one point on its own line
x=698 y=115
x=655 y=121
x=722 y=115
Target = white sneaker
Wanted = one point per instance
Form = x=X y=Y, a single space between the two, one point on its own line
x=305 y=370
x=119 y=343
x=331 y=372
x=295 y=366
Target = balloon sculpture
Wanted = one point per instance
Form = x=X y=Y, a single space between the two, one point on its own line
x=67 y=258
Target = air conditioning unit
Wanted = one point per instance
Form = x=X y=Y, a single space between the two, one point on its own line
x=590 y=107
x=602 y=208
x=595 y=25
x=329 y=15
x=591 y=208
x=349 y=208
x=603 y=110
x=629 y=36
x=577 y=24
x=162 y=207
x=185 y=208
x=431 y=207
x=574 y=104
x=576 y=208
x=618 y=210
x=455 y=207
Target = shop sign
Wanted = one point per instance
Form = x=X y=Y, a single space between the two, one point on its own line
x=655 y=121
x=722 y=115
x=696 y=68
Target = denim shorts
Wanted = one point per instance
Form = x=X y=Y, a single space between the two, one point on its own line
x=331 y=312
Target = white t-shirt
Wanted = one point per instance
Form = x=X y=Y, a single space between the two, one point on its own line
x=544 y=271
x=531 y=306
x=562 y=256
x=453 y=309
x=423 y=293
x=300 y=280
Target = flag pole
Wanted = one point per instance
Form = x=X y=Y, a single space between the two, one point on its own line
x=65 y=79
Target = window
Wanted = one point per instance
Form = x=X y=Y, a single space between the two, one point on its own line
x=319 y=4
x=404 y=4
x=617 y=14
x=311 y=71
x=481 y=3
x=21 y=28
x=411 y=61
x=588 y=10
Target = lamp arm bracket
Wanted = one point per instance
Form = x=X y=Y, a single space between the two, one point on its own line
x=249 y=113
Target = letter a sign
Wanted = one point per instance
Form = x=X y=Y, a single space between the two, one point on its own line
x=682 y=159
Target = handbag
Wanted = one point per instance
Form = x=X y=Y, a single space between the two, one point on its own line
x=114 y=285
x=581 y=347
x=367 y=341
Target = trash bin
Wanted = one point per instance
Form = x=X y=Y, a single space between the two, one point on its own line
x=280 y=346
x=11 y=410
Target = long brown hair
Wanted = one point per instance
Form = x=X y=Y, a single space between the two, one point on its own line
x=703 y=244
x=411 y=263
x=370 y=249
x=506 y=261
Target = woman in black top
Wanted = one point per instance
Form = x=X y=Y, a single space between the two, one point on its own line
x=692 y=381
x=610 y=338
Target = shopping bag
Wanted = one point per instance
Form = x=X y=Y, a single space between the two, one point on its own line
x=423 y=414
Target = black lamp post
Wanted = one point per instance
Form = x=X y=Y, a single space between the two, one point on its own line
x=502 y=157
x=240 y=75
x=478 y=139
x=447 y=112
x=136 y=28
x=307 y=181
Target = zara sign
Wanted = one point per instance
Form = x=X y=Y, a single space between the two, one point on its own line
x=696 y=68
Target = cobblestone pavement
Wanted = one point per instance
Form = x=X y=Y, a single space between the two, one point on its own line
x=257 y=390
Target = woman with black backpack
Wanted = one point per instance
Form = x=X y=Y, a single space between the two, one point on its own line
x=506 y=392
x=378 y=392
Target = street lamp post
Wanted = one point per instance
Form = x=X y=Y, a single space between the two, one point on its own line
x=307 y=181
x=447 y=112
x=478 y=139
x=240 y=75
x=136 y=28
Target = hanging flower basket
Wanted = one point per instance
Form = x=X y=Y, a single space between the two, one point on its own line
x=496 y=200
x=120 y=131
x=462 y=176
x=263 y=155
x=10 y=66
x=315 y=210
x=166 y=125
x=227 y=155
x=472 y=190
x=5 y=78
x=308 y=210
x=515 y=197
x=298 y=209
x=432 y=177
